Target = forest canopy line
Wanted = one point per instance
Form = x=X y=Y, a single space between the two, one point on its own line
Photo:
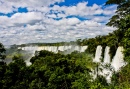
x=72 y=71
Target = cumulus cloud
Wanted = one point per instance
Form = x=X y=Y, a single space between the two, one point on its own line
x=26 y=18
x=29 y=3
x=20 y=19
x=43 y=23
x=6 y=8
x=82 y=9
x=37 y=26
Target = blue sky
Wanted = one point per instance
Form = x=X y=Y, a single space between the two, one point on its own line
x=91 y=2
x=29 y=21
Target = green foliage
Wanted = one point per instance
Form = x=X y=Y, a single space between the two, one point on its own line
x=2 y=63
x=121 y=20
x=119 y=37
x=48 y=71
x=2 y=52
x=122 y=11
x=115 y=1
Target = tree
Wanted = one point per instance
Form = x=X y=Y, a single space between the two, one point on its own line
x=57 y=71
x=15 y=75
x=121 y=20
x=2 y=52
x=2 y=64
x=123 y=9
x=115 y=1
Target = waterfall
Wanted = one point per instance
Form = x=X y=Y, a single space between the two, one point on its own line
x=98 y=54
x=28 y=63
x=83 y=48
x=61 y=48
x=31 y=50
x=106 y=72
x=106 y=55
x=118 y=61
x=55 y=49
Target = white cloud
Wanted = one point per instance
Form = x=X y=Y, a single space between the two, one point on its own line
x=30 y=3
x=36 y=27
x=9 y=6
x=4 y=19
x=82 y=9
x=73 y=21
x=39 y=24
x=101 y=19
x=6 y=8
x=51 y=15
x=20 y=19
x=26 y=18
x=67 y=21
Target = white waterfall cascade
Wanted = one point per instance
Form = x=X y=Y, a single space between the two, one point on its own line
x=106 y=72
x=83 y=48
x=117 y=61
x=31 y=50
x=28 y=61
x=116 y=64
x=106 y=55
x=55 y=49
x=98 y=54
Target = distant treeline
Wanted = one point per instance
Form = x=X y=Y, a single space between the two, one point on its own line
x=45 y=44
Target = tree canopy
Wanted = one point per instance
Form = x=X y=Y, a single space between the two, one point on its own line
x=2 y=52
